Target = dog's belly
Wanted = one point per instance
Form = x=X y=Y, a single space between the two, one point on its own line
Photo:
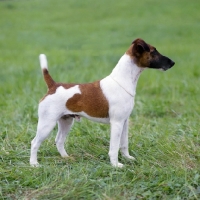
x=95 y=119
x=100 y=120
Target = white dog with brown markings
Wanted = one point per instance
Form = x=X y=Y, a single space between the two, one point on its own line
x=109 y=100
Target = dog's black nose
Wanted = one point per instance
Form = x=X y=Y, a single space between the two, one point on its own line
x=172 y=63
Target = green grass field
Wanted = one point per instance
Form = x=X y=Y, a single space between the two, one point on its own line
x=83 y=41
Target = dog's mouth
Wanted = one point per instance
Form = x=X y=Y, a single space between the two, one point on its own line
x=163 y=64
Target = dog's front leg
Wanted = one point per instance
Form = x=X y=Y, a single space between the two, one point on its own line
x=115 y=135
x=124 y=142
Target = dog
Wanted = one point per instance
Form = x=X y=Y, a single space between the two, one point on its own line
x=109 y=101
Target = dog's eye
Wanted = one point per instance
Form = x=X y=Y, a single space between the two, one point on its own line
x=153 y=53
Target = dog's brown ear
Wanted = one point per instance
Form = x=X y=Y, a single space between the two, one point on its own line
x=139 y=46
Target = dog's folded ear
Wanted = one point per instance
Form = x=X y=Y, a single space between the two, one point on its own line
x=139 y=46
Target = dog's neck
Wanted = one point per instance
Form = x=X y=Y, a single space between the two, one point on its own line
x=126 y=74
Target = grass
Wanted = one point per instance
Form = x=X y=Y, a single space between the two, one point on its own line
x=83 y=41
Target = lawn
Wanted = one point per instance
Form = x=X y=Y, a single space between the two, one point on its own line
x=83 y=41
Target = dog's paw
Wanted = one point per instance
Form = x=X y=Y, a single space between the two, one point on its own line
x=34 y=164
x=127 y=156
x=130 y=157
x=65 y=155
x=119 y=165
x=69 y=158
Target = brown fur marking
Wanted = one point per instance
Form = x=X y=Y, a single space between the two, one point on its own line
x=52 y=90
x=91 y=101
x=141 y=53
x=48 y=79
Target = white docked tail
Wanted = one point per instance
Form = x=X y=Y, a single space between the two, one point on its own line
x=44 y=66
x=43 y=61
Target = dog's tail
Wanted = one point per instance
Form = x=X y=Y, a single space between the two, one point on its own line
x=48 y=79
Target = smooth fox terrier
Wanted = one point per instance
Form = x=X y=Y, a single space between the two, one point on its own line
x=109 y=100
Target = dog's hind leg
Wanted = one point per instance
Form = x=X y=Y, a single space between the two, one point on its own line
x=44 y=128
x=64 y=125
x=124 y=142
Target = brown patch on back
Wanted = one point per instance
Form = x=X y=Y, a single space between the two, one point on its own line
x=91 y=101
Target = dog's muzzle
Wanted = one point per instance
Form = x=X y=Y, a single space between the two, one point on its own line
x=170 y=64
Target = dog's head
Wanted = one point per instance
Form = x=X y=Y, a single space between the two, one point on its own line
x=147 y=56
